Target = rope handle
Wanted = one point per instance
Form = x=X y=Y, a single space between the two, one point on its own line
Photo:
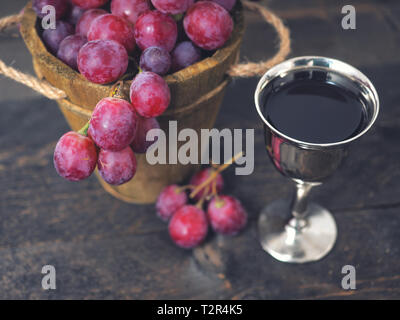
x=244 y=70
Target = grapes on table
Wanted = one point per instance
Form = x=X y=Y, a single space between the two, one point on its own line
x=188 y=223
x=129 y=9
x=113 y=124
x=155 y=59
x=117 y=167
x=184 y=55
x=169 y=201
x=226 y=215
x=188 y=226
x=89 y=4
x=69 y=49
x=102 y=61
x=112 y=27
x=75 y=156
x=53 y=37
x=208 y=25
x=154 y=28
x=83 y=24
x=149 y=94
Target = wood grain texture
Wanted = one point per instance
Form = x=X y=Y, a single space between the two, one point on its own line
x=103 y=248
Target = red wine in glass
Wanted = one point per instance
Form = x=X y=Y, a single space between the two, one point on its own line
x=312 y=109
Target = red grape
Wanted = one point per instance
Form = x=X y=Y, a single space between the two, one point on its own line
x=188 y=226
x=202 y=176
x=83 y=25
x=129 y=9
x=184 y=55
x=144 y=125
x=69 y=49
x=208 y=25
x=227 y=4
x=117 y=167
x=113 y=124
x=74 y=15
x=102 y=61
x=75 y=156
x=150 y=95
x=169 y=201
x=53 y=37
x=61 y=7
x=172 y=6
x=226 y=215
x=154 y=28
x=156 y=60
x=112 y=27
x=89 y=4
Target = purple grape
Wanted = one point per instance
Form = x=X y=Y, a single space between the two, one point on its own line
x=227 y=4
x=117 y=167
x=69 y=49
x=112 y=27
x=74 y=15
x=171 y=199
x=53 y=37
x=154 y=28
x=208 y=25
x=184 y=55
x=113 y=124
x=155 y=59
x=150 y=94
x=144 y=125
x=102 y=61
x=83 y=24
x=61 y=7
x=226 y=215
x=129 y=9
x=75 y=156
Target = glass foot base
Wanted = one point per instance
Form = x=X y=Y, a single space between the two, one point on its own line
x=288 y=244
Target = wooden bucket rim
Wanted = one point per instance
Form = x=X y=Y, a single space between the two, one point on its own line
x=87 y=113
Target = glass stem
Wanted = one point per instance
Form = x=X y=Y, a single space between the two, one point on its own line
x=299 y=205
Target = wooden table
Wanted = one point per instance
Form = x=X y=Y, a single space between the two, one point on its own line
x=106 y=249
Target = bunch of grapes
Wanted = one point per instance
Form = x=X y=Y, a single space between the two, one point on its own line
x=98 y=38
x=189 y=223
x=116 y=131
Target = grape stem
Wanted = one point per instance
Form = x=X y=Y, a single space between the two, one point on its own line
x=214 y=189
x=83 y=131
x=115 y=88
x=214 y=174
x=204 y=197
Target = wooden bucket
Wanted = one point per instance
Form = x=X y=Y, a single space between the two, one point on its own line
x=196 y=95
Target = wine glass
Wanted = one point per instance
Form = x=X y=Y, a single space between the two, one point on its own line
x=297 y=230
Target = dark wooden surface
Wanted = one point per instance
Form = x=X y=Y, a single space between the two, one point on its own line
x=106 y=249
